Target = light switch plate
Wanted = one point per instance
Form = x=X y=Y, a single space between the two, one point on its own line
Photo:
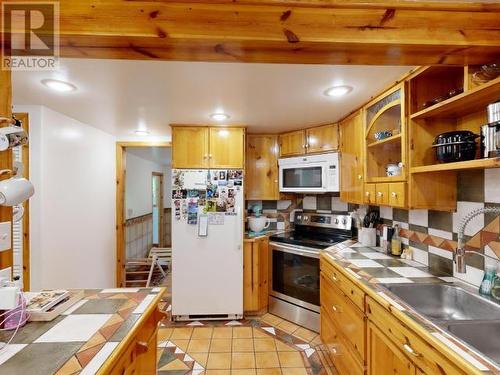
x=5 y=236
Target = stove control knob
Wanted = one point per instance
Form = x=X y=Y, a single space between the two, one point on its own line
x=344 y=221
x=336 y=221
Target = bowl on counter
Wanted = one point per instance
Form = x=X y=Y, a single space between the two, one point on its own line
x=258 y=223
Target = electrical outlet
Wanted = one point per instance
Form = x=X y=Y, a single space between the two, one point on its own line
x=6 y=273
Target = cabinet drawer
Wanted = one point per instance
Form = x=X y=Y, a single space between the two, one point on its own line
x=355 y=294
x=370 y=194
x=339 y=351
x=416 y=349
x=382 y=194
x=346 y=316
x=397 y=194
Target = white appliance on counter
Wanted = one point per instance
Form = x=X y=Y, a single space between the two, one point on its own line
x=207 y=244
x=310 y=173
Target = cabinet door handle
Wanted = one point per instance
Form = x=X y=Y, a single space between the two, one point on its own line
x=367 y=193
x=359 y=177
x=210 y=156
x=334 y=278
x=380 y=194
x=205 y=156
x=336 y=309
x=410 y=350
x=394 y=194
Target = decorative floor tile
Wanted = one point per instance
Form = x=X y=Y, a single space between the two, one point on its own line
x=75 y=328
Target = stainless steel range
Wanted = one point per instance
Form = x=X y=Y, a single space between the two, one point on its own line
x=294 y=265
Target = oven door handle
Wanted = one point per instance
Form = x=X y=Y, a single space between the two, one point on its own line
x=295 y=250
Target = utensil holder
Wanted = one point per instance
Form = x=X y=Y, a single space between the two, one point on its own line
x=367 y=236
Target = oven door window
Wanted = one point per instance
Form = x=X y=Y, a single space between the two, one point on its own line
x=308 y=177
x=296 y=276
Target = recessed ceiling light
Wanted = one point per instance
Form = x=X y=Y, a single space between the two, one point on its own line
x=337 y=91
x=58 y=85
x=141 y=132
x=219 y=116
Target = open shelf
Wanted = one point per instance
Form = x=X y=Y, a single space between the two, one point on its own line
x=458 y=166
x=460 y=105
x=388 y=140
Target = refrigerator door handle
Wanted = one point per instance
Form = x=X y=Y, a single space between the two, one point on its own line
x=239 y=232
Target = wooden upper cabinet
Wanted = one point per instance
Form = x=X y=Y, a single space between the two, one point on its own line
x=322 y=138
x=351 y=161
x=292 y=143
x=204 y=147
x=227 y=147
x=190 y=147
x=262 y=167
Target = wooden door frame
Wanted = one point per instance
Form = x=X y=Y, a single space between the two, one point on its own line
x=120 y=203
x=24 y=118
x=160 y=209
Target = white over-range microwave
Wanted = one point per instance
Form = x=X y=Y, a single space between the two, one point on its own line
x=310 y=174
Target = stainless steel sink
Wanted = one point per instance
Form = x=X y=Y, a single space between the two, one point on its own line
x=484 y=336
x=443 y=302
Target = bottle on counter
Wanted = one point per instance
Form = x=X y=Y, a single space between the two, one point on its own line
x=495 y=290
x=488 y=280
x=396 y=245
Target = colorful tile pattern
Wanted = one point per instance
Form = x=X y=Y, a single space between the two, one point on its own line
x=74 y=357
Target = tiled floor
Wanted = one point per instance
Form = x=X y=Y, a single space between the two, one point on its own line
x=266 y=345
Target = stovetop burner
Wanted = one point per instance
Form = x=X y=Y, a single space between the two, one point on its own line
x=317 y=231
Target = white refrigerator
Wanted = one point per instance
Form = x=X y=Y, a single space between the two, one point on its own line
x=207 y=244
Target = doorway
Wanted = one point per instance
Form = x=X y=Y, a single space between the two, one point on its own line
x=142 y=189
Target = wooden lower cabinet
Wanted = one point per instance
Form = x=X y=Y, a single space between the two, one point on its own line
x=366 y=338
x=339 y=351
x=140 y=355
x=255 y=275
x=384 y=358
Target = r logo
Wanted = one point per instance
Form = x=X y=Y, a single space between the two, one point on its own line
x=30 y=35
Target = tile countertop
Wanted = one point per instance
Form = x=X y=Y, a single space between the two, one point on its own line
x=82 y=338
x=370 y=268
x=251 y=237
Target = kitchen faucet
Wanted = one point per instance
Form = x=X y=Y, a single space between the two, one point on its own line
x=459 y=255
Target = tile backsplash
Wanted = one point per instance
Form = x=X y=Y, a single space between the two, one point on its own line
x=432 y=235
x=280 y=212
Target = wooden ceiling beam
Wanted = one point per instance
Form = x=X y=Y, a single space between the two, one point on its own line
x=319 y=31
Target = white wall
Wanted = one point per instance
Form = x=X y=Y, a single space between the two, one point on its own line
x=72 y=214
x=138 y=189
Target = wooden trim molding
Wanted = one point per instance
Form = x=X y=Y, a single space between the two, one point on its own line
x=6 y=257
x=380 y=32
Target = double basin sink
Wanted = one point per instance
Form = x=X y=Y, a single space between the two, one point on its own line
x=473 y=319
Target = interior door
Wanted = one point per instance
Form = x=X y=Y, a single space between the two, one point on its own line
x=158 y=214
